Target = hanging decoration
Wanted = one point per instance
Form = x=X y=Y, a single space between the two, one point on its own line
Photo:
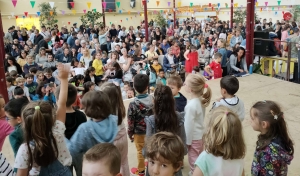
x=32 y=3
x=179 y=4
x=26 y=14
x=219 y=4
x=104 y=5
x=89 y=4
x=129 y=12
x=84 y=11
x=72 y=4
x=94 y=10
x=63 y=12
x=209 y=4
x=16 y=17
x=69 y=23
x=169 y=3
x=51 y=13
x=131 y=4
x=51 y=4
x=14 y=2
x=74 y=12
x=12 y=14
x=157 y=3
x=191 y=4
x=256 y=4
x=38 y=13
x=118 y=4
x=127 y=19
x=120 y=11
x=226 y=5
x=279 y=2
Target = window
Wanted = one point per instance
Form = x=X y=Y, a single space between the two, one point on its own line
x=110 y=5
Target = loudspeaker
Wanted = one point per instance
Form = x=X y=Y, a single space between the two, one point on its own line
x=261 y=47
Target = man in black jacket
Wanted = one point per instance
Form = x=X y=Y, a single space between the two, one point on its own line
x=38 y=37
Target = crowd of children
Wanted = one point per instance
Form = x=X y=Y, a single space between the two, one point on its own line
x=164 y=127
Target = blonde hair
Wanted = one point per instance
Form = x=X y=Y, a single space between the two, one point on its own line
x=29 y=56
x=224 y=136
x=88 y=52
x=223 y=42
x=196 y=83
x=20 y=79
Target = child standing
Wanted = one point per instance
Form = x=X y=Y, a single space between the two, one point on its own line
x=114 y=93
x=165 y=117
x=274 y=150
x=224 y=145
x=214 y=69
x=194 y=115
x=44 y=151
x=102 y=159
x=138 y=109
x=175 y=83
x=229 y=87
x=13 y=112
x=165 y=153
x=5 y=128
x=103 y=127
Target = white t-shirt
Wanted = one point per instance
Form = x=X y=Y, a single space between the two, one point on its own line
x=64 y=157
x=212 y=165
x=86 y=61
x=11 y=68
x=79 y=71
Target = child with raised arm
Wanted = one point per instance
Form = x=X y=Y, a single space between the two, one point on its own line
x=229 y=87
x=274 y=147
x=44 y=151
x=224 y=145
x=194 y=115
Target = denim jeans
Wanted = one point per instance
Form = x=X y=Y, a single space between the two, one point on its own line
x=55 y=169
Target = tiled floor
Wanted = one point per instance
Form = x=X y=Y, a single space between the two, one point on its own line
x=252 y=88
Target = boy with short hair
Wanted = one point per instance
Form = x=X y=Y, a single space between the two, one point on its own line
x=130 y=93
x=161 y=77
x=18 y=92
x=229 y=87
x=30 y=84
x=140 y=107
x=164 y=149
x=175 y=83
x=10 y=87
x=102 y=159
x=30 y=64
x=215 y=66
x=156 y=66
x=48 y=76
x=73 y=117
x=125 y=89
x=14 y=75
x=20 y=82
x=5 y=128
x=33 y=71
x=13 y=110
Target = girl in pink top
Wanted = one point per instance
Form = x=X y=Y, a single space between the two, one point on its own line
x=170 y=31
x=5 y=128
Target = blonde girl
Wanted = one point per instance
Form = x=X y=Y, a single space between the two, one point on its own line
x=44 y=151
x=86 y=57
x=40 y=77
x=115 y=95
x=224 y=145
x=41 y=58
x=200 y=95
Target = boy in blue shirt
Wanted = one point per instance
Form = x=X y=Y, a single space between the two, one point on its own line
x=30 y=84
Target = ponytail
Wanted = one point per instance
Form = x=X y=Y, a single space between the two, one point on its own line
x=206 y=97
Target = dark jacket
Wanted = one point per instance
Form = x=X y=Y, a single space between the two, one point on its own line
x=37 y=39
x=60 y=58
x=19 y=69
x=180 y=103
x=27 y=67
x=166 y=64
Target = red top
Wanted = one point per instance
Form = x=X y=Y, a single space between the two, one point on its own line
x=216 y=67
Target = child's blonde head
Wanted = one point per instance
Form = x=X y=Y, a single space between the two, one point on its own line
x=224 y=136
x=196 y=84
x=20 y=80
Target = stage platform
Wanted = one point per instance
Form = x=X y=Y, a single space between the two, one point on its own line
x=252 y=88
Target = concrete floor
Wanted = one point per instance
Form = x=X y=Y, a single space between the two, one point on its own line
x=252 y=88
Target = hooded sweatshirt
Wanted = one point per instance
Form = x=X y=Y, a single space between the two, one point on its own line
x=272 y=159
x=89 y=134
x=138 y=109
x=234 y=104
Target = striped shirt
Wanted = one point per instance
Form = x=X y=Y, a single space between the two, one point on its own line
x=5 y=168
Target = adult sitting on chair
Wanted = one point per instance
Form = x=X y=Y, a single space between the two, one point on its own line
x=169 y=60
x=238 y=61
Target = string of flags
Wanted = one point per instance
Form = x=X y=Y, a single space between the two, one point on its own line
x=213 y=7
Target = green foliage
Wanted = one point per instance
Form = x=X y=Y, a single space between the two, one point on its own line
x=239 y=16
x=160 y=20
x=295 y=11
x=92 y=17
x=45 y=18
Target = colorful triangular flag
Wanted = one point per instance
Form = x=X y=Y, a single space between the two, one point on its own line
x=32 y=3
x=51 y=4
x=26 y=14
x=72 y=4
x=118 y=4
x=14 y=2
x=89 y=4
